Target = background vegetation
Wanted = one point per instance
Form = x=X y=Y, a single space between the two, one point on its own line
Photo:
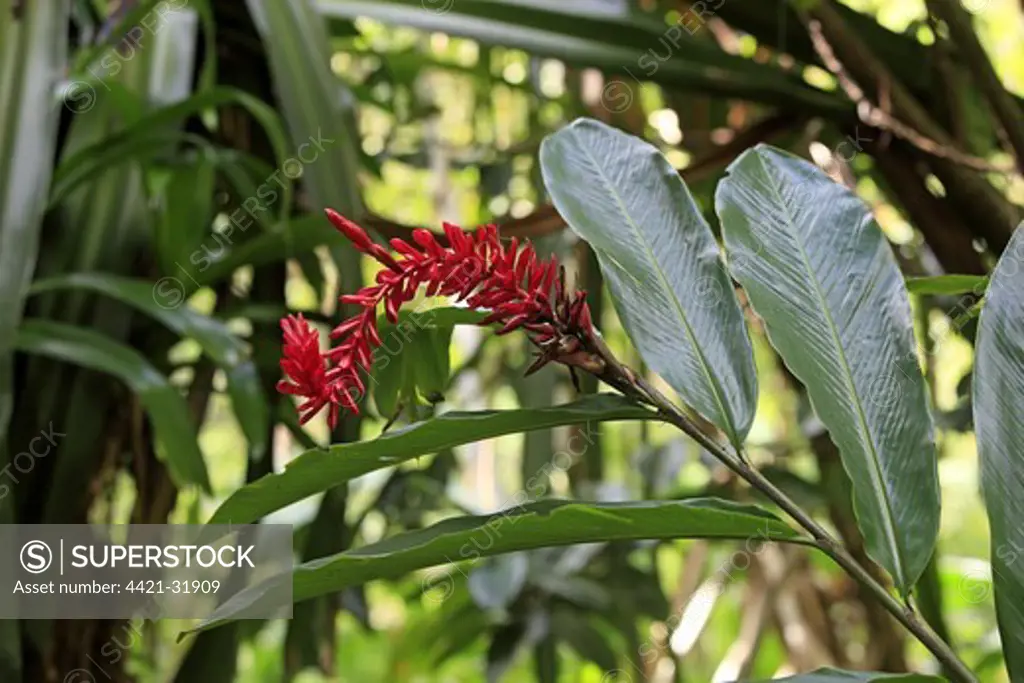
x=163 y=170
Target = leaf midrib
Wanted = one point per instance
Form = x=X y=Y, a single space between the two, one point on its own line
x=876 y=470
x=715 y=388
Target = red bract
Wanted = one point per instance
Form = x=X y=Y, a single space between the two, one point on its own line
x=519 y=289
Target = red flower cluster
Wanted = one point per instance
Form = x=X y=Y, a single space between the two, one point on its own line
x=520 y=290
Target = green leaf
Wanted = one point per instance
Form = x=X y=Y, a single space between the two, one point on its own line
x=186 y=212
x=545 y=660
x=249 y=403
x=131 y=18
x=432 y=362
x=612 y=41
x=319 y=470
x=318 y=109
x=388 y=381
x=288 y=238
x=508 y=641
x=662 y=266
x=998 y=390
x=146 y=136
x=534 y=525
x=206 y=658
x=497 y=582
x=414 y=355
x=948 y=284
x=589 y=643
x=33 y=57
x=829 y=675
x=166 y=407
x=216 y=340
x=819 y=271
x=431 y=318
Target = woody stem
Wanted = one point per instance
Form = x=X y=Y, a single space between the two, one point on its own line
x=636 y=387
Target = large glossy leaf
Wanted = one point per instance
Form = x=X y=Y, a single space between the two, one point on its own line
x=829 y=675
x=819 y=271
x=998 y=389
x=662 y=266
x=523 y=527
x=319 y=470
x=166 y=407
x=216 y=340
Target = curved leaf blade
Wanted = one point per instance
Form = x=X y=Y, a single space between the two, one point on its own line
x=315 y=104
x=662 y=265
x=534 y=525
x=288 y=239
x=34 y=56
x=73 y=169
x=216 y=340
x=998 y=389
x=165 y=406
x=819 y=271
x=32 y=59
x=611 y=41
x=830 y=675
x=319 y=470
x=948 y=284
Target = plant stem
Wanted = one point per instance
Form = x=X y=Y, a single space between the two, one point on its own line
x=636 y=387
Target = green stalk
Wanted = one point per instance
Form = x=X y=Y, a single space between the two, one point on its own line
x=635 y=386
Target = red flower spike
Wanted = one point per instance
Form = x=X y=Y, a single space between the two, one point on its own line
x=304 y=368
x=518 y=289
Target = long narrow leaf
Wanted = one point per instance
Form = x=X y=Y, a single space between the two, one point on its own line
x=662 y=265
x=947 y=284
x=166 y=407
x=533 y=525
x=319 y=470
x=819 y=271
x=998 y=389
x=216 y=340
x=829 y=675
x=33 y=52
x=290 y=238
x=81 y=164
x=33 y=55
x=614 y=43
x=316 y=105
